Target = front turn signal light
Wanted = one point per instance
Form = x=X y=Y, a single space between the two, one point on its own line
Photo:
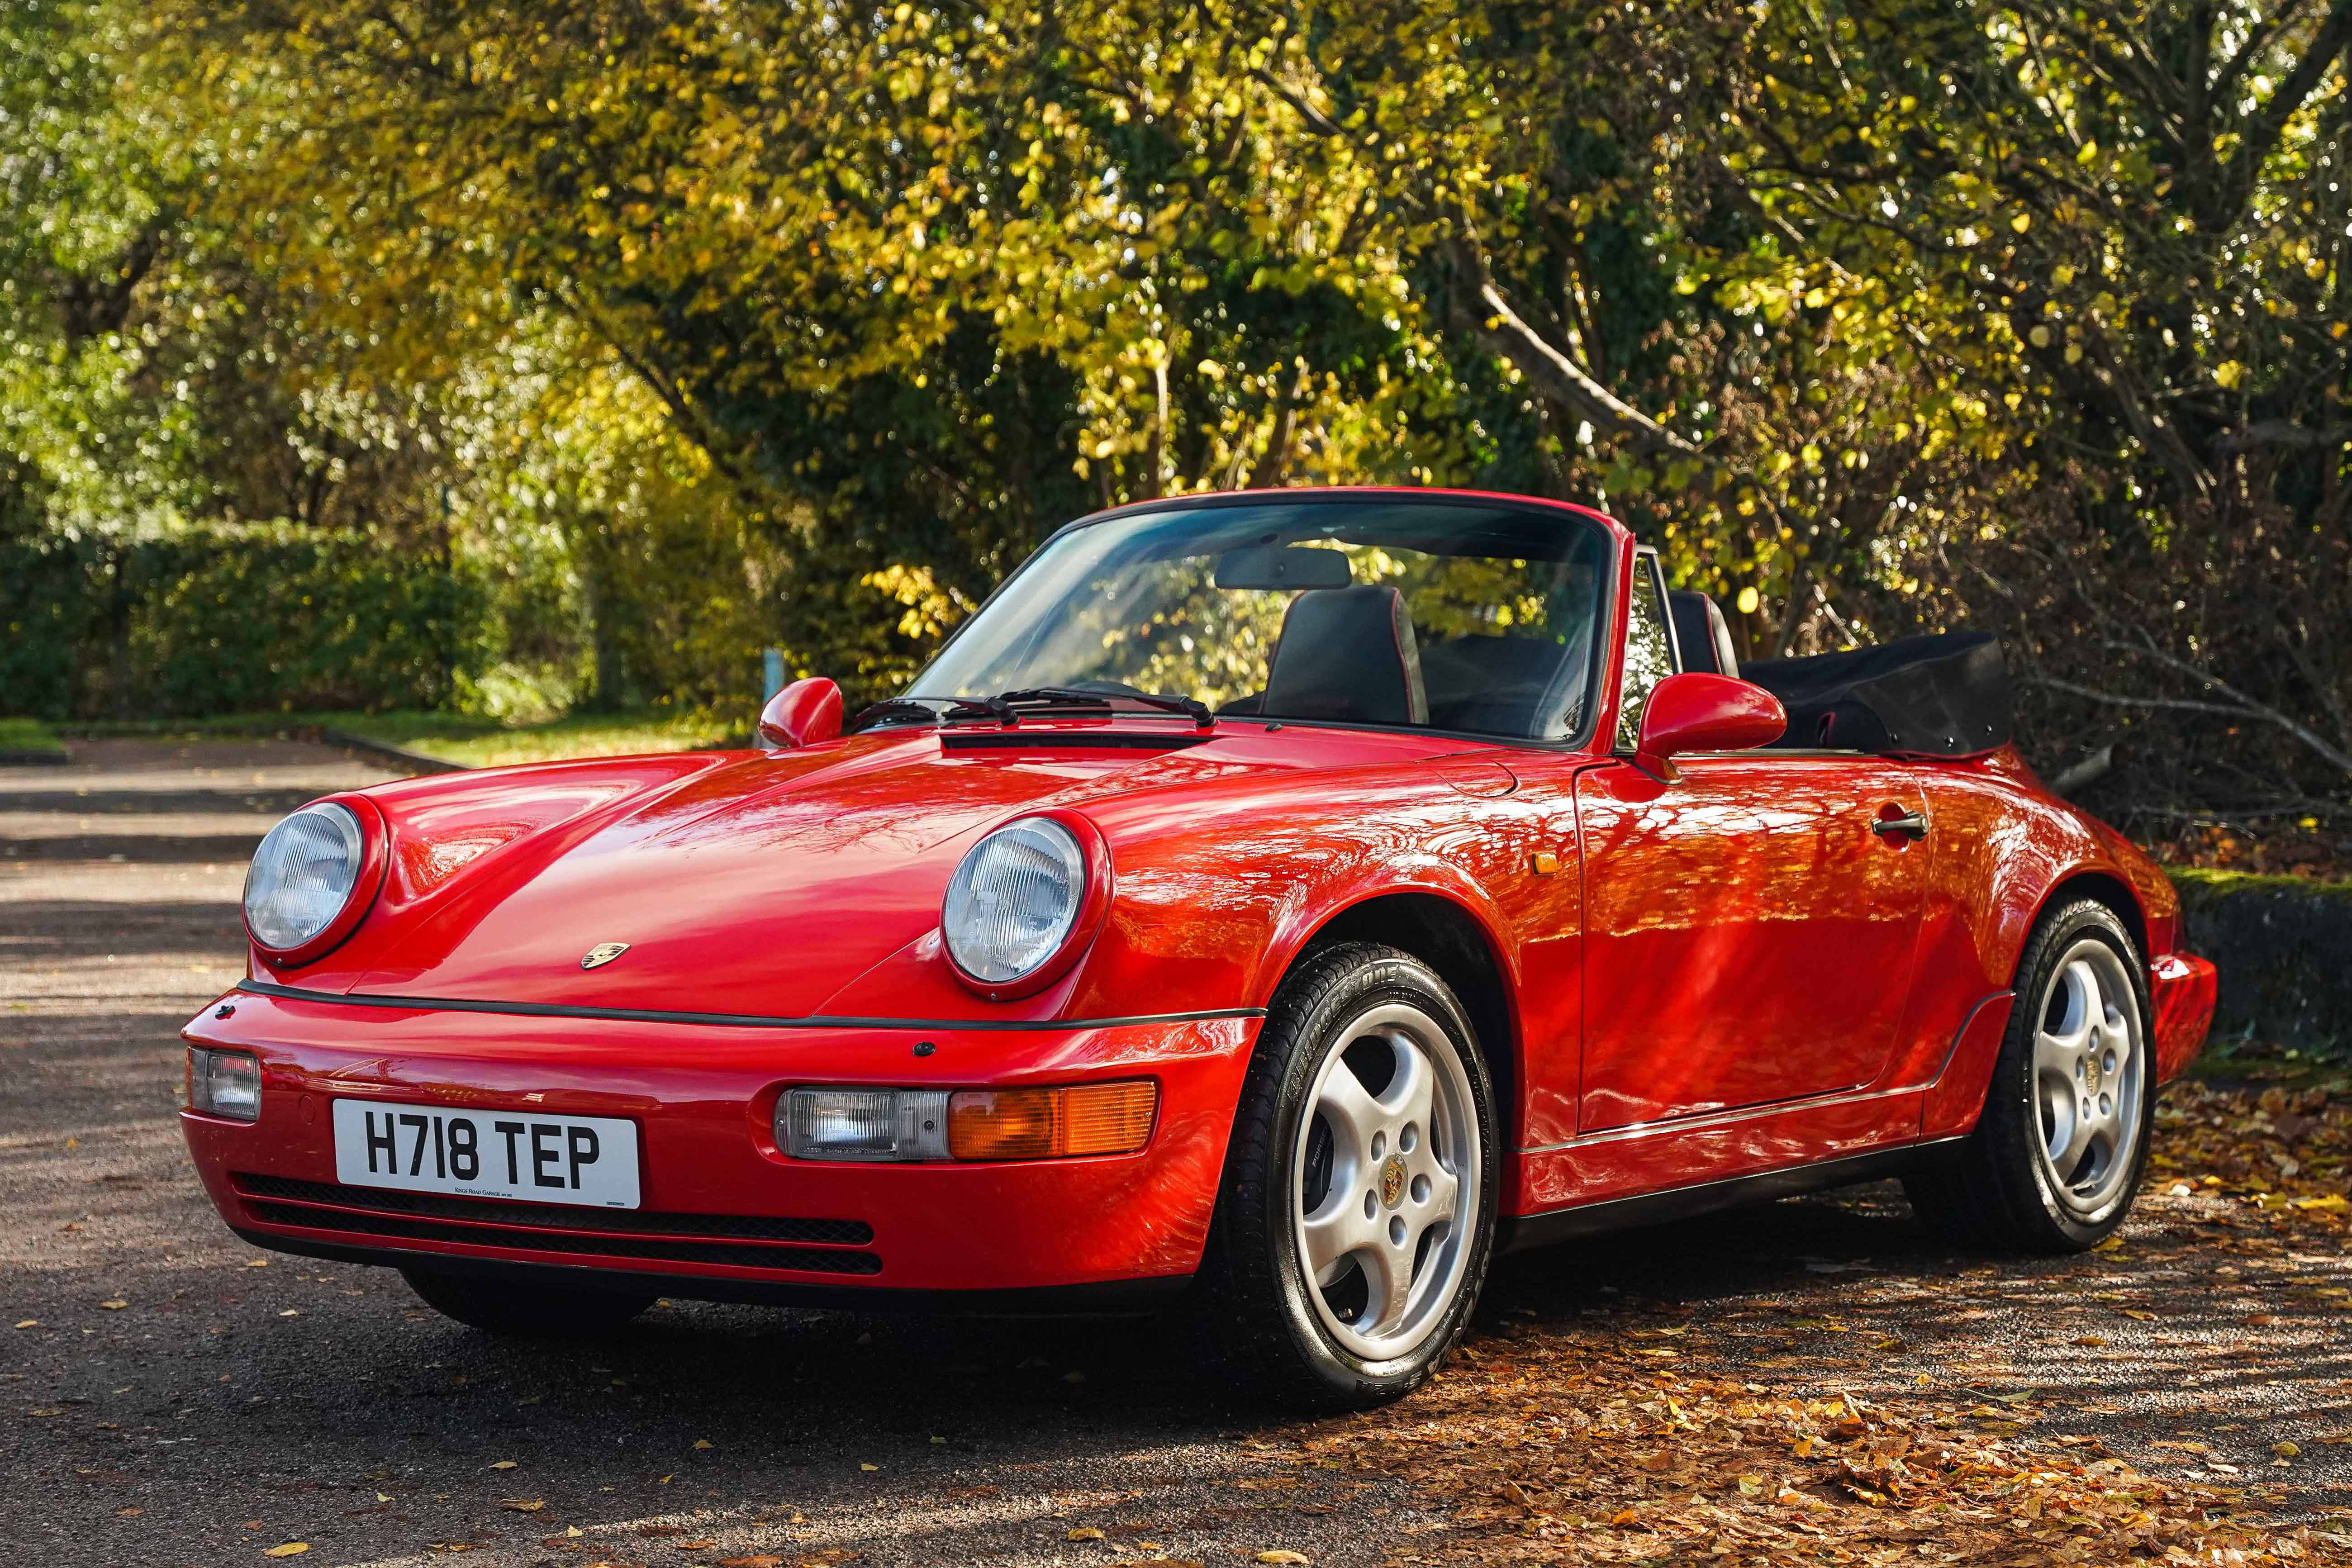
x=1050 y=1123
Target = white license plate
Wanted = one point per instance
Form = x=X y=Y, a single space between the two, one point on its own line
x=586 y=1160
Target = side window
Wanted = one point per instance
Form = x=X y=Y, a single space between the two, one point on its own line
x=1649 y=646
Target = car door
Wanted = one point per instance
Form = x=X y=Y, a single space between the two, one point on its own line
x=1750 y=926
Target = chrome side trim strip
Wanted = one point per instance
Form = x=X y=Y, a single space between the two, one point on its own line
x=1708 y=1121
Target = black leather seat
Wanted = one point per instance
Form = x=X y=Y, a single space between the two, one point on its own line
x=1346 y=654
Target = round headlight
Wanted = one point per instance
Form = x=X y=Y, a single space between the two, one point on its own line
x=1010 y=904
x=302 y=875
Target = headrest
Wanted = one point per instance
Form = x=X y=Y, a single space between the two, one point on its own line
x=1702 y=634
x=1346 y=654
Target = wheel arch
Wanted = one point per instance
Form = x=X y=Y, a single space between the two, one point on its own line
x=1460 y=947
x=2101 y=886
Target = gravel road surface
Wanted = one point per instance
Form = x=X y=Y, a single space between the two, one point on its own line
x=170 y=1395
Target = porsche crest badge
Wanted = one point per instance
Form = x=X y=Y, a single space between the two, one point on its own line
x=603 y=953
x=1392 y=1182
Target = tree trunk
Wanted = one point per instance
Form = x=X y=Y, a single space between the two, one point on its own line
x=599 y=606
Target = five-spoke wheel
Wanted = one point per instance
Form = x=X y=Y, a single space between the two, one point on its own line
x=1388 y=1161
x=2086 y=1076
x=2056 y=1154
x=1358 y=1209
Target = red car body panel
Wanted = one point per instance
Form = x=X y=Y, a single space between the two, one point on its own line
x=1731 y=976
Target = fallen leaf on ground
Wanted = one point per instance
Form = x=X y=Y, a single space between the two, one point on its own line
x=523 y=1505
x=1087 y=1533
x=502 y=1464
x=291 y=1548
x=1280 y=1555
x=114 y=1306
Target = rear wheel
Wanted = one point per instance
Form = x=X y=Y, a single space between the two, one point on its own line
x=1358 y=1209
x=538 y=1311
x=2057 y=1154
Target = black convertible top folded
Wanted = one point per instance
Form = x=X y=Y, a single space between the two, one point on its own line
x=1940 y=696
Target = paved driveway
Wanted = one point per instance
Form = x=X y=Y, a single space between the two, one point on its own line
x=181 y=1398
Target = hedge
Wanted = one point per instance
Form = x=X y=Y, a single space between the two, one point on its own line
x=231 y=620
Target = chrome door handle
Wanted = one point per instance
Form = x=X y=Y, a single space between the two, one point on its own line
x=1911 y=825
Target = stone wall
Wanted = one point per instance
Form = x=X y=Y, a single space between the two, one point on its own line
x=2284 y=947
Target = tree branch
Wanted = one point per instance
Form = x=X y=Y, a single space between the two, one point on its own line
x=2263 y=128
x=2246 y=706
x=2281 y=433
x=1557 y=375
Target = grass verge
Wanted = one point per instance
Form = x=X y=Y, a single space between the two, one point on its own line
x=28 y=739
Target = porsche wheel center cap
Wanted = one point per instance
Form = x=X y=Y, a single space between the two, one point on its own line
x=2090 y=1074
x=1392 y=1182
x=603 y=953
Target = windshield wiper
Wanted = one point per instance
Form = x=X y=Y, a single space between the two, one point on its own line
x=921 y=708
x=1078 y=697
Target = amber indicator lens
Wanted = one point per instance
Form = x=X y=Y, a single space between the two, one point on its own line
x=1047 y=1123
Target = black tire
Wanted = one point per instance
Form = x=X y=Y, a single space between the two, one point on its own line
x=1998 y=1190
x=1252 y=1305
x=530 y=1312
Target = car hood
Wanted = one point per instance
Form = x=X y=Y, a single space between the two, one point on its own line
x=741 y=883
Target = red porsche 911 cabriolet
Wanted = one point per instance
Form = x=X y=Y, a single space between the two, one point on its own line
x=1276 y=902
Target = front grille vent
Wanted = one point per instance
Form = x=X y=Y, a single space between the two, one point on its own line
x=750 y=1241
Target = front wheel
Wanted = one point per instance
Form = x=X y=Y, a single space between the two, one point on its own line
x=2056 y=1156
x=531 y=1312
x=1358 y=1210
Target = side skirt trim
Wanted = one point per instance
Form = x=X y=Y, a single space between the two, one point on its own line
x=733 y=1020
x=1962 y=1032
x=1518 y=1231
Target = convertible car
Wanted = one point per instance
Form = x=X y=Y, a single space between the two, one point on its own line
x=1267 y=906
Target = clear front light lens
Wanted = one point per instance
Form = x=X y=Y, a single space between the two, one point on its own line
x=1010 y=904
x=227 y=1084
x=302 y=875
x=863 y=1124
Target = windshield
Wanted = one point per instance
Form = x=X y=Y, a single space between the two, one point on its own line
x=1387 y=612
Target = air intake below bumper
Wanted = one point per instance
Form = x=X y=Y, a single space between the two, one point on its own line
x=744 y=1241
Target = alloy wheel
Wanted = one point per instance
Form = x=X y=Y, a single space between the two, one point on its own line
x=2089 y=1073
x=1385 y=1184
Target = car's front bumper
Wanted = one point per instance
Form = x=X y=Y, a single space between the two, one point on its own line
x=723 y=1212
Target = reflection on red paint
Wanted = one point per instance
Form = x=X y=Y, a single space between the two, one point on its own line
x=1749 y=935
